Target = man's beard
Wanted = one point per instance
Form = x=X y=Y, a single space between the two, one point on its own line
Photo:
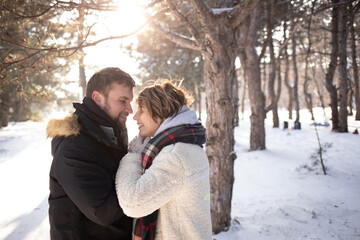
x=120 y=124
x=117 y=118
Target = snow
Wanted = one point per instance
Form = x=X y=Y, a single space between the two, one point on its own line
x=278 y=193
x=218 y=11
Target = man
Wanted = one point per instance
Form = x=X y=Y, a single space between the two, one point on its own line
x=87 y=147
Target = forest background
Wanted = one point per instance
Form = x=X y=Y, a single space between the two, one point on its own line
x=258 y=54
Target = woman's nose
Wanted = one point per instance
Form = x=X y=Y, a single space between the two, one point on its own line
x=136 y=116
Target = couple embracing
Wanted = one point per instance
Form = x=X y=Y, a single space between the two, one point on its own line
x=156 y=187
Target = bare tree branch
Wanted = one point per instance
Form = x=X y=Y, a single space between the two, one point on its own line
x=188 y=25
x=176 y=38
x=282 y=46
x=184 y=41
x=242 y=11
x=204 y=11
x=183 y=20
x=264 y=46
x=94 y=6
x=150 y=5
x=206 y=18
x=196 y=44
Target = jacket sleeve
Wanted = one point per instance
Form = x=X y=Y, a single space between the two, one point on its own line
x=88 y=185
x=141 y=194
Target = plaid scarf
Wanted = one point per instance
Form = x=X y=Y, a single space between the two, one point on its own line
x=145 y=227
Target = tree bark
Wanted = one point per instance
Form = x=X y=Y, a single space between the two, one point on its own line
x=318 y=89
x=331 y=88
x=4 y=107
x=198 y=99
x=355 y=70
x=243 y=95
x=220 y=111
x=249 y=59
x=286 y=76
x=272 y=70
x=308 y=95
x=343 y=93
x=295 y=70
x=350 y=97
x=82 y=76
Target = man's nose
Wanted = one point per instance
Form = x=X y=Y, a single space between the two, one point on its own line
x=129 y=108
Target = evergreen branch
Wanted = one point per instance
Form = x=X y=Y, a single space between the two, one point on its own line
x=28 y=16
x=82 y=44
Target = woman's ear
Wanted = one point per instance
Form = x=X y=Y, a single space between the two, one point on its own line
x=159 y=121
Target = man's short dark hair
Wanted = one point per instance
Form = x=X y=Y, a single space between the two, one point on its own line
x=102 y=80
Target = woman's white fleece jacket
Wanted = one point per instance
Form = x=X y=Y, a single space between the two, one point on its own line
x=177 y=183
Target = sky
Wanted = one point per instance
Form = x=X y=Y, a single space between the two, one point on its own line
x=129 y=17
x=278 y=193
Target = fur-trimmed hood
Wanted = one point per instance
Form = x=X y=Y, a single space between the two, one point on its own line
x=66 y=127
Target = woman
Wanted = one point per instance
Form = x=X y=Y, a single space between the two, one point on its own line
x=164 y=179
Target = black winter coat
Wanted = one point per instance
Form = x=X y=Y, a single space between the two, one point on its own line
x=82 y=202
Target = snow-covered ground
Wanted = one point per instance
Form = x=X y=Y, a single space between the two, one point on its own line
x=278 y=193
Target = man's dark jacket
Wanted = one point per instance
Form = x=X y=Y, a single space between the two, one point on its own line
x=82 y=202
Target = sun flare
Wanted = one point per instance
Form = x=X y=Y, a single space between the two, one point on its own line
x=128 y=18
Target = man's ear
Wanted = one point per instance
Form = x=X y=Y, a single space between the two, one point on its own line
x=98 y=98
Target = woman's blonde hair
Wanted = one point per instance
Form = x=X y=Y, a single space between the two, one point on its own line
x=163 y=99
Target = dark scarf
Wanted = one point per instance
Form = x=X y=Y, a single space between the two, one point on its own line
x=99 y=117
x=145 y=227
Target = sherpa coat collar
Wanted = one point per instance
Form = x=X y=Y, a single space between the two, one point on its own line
x=88 y=119
x=69 y=126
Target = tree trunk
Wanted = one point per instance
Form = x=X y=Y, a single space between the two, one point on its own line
x=331 y=88
x=220 y=109
x=243 y=95
x=82 y=77
x=4 y=108
x=355 y=70
x=264 y=76
x=236 y=99
x=272 y=70
x=308 y=96
x=318 y=89
x=350 y=98
x=249 y=59
x=198 y=98
x=343 y=93
x=295 y=70
x=218 y=46
x=286 y=76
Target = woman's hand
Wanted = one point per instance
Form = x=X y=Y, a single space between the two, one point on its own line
x=138 y=144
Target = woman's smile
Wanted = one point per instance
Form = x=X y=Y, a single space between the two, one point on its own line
x=146 y=124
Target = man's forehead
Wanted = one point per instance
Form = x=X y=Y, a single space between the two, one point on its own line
x=124 y=93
